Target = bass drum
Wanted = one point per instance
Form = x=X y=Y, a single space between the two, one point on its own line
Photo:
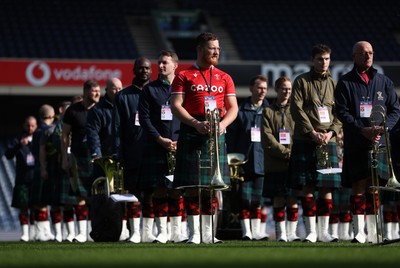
x=106 y=215
x=228 y=223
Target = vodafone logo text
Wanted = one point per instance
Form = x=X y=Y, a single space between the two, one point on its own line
x=84 y=74
x=39 y=73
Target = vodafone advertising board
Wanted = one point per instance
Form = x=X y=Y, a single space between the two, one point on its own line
x=68 y=74
x=42 y=73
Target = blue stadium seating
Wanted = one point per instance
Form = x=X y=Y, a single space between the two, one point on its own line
x=286 y=30
x=67 y=29
x=282 y=30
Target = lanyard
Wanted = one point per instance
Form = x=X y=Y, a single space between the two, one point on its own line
x=316 y=90
x=282 y=110
x=205 y=80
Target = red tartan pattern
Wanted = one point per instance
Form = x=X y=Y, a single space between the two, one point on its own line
x=264 y=217
x=369 y=204
x=357 y=203
x=133 y=210
x=175 y=207
x=309 y=206
x=334 y=218
x=160 y=207
x=279 y=214
x=55 y=216
x=41 y=215
x=395 y=216
x=192 y=205
x=148 y=210
x=23 y=218
x=292 y=214
x=244 y=214
x=81 y=212
x=207 y=209
x=387 y=216
x=324 y=207
x=345 y=217
x=68 y=215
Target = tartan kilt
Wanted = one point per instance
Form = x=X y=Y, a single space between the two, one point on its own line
x=389 y=198
x=187 y=159
x=131 y=181
x=21 y=195
x=36 y=188
x=357 y=165
x=252 y=188
x=154 y=167
x=275 y=184
x=85 y=171
x=65 y=196
x=341 y=196
x=303 y=166
x=43 y=191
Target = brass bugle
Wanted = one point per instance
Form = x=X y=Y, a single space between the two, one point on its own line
x=235 y=160
x=217 y=183
x=378 y=115
x=113 y=175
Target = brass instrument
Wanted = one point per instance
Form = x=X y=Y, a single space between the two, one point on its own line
x=213 y=118
x=171 y=161
x=378 y=117
x=113 y=181
x=235 y=160
x=323 y=161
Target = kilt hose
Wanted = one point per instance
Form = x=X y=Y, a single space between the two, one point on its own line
x=190 y=142
x=303 y=166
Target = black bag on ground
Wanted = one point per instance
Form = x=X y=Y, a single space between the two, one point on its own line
x=106 y=216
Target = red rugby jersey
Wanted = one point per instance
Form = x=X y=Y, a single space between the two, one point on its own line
x=193 y=83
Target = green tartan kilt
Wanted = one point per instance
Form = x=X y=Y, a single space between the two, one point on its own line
x=154 y=167
x=275 y=184
x=389 y=197
x=341 y=196
x=21 y=195
x=303 y=166
x=357 y=165
x=85 y=171
x=44 y=191
x=66 y=196
x=190 y=144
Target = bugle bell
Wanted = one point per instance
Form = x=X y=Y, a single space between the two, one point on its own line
x=235 y=160
x=113 y=181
